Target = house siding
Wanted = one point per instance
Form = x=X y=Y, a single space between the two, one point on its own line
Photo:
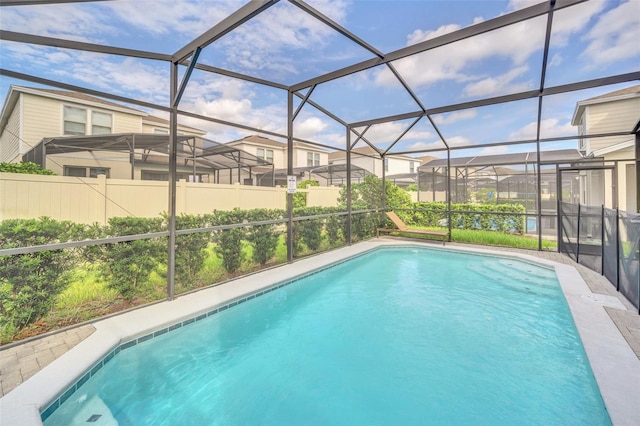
x=42 y=117
x=124 y=123
x=10 y=139
x=611 y=117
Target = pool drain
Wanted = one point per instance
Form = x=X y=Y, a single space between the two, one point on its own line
x=94 y=418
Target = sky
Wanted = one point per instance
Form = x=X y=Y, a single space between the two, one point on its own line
x=284 y=44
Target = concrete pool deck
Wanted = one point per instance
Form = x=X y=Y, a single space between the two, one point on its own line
x=608 y=325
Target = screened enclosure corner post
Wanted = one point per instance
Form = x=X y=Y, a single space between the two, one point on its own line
x=638 y=167
x=289 y=173
x=602 y=242
x=559 y=208
x=348 y=156
x=173 y=158
x=384 y=184
x=618 y=249
x=449 y=215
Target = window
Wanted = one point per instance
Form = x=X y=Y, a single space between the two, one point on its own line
x=95 y=171
x=582 y=129
x=80 y=171
x=386 y=164
x=75 y=121
x=412 y=167
x=75 y=171
x=164 y=176
x=160 y=131
x=265 y=154
x=313 y=159
x=100 y=123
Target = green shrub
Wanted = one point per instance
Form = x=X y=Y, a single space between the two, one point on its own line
x=364 y=225
x=489 y=217
x=229 y=241
x=27 y=167
x=190 y=248
x=300 y=198
x=263 y=238
x=126 y=266
x=335 y=227
x=29 y=283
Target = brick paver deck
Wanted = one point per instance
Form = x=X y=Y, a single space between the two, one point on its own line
x=18 y=363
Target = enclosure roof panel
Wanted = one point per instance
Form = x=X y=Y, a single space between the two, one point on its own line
x=557 y=156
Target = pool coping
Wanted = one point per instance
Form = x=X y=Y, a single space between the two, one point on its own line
x=614 y=364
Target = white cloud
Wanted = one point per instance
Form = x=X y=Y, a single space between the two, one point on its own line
x=166 y=16
x=66 y=21
x=491 y=150
x=417 y=134
x=515 y=44
x=308 y=128
x=424 y=146
x=266 y=42
x=385 y=133
x=458 y=141
x=573 y=20
x=549 y=128
x=615 y=35
x=555 y=61
x=521 y=4
x=452 y=117
x=499 y=84
x=419 y=35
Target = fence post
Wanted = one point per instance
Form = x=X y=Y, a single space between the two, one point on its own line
x=602 y=241
x=578 y=238
x=617 y=249
x=102 y=202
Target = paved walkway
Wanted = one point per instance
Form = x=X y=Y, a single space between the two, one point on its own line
x=20 y=362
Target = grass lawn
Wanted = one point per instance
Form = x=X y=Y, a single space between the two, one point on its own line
x=490 y=238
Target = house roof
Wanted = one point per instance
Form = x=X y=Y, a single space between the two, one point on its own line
x=77 y=97
x=261 y=140
x=215 y=155
x=162 y=121
x=329 y=172
x=627 y=93
x=80 y=97
x=548 y=157
x=368 y=151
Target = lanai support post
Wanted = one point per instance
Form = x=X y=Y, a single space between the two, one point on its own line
x=449 y=192
x=289 y=173
x=173 y=138
x=638 y=167
x=348 y=154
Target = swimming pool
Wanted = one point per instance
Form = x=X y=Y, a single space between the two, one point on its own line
x=393 y=336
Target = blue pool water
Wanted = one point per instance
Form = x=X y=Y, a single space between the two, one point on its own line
x=393 y=337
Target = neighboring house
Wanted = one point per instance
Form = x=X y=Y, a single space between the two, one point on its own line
x=617 y=111
x=304 y=156
x=31 y=115
x=368 y=159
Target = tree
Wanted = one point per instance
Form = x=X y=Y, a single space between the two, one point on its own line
x=368 y=195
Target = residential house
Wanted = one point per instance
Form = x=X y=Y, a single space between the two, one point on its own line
x=306 y=157
x=617 y=111
x=401 y=169
x=33 y=115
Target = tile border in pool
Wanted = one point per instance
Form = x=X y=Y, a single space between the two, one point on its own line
x=613 y=362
